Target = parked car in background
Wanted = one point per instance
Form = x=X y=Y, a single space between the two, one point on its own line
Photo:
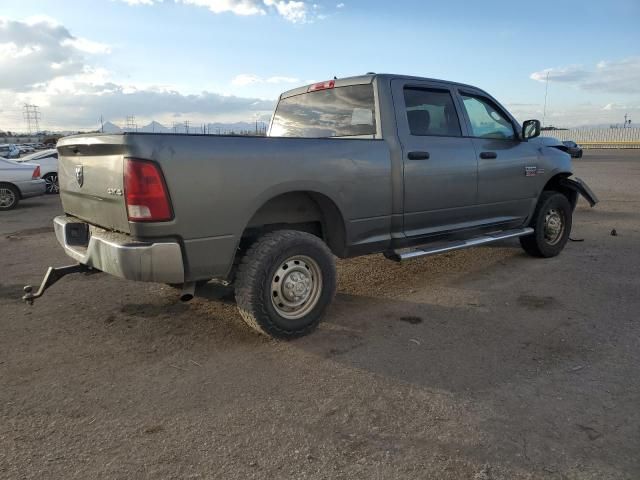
x=9 y=150
x=25 y=149
x=573 y=149
x=48 y=161
x=17 y=182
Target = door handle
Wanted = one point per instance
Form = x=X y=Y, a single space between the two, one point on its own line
x=488 y=155
x=418 y=155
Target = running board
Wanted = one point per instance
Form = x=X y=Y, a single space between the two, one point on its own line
x=401 y=255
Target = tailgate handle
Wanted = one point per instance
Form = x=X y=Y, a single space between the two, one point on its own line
x=418 y=155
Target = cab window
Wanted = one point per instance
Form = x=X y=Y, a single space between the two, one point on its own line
x=487 y=121
x=431 y=113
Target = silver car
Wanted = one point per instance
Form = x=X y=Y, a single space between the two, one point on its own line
x=19 y=181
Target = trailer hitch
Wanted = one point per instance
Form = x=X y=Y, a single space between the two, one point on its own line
x=52 y=276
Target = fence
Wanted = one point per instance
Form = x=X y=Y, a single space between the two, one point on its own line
x=599 y=137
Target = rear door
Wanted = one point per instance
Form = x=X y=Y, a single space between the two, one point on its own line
x=505 y=162
x=440 y=164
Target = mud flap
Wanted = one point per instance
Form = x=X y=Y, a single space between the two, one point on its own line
x=580 y=187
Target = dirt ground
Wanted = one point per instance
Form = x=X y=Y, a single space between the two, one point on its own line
x=480 y=364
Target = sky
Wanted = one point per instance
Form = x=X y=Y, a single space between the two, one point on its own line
x=228 y=60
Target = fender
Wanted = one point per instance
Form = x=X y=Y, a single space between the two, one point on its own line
x=578 y=185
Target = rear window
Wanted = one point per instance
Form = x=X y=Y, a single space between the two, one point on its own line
x=337 y=112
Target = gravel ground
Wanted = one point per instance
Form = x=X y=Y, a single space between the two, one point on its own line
x=481 y=364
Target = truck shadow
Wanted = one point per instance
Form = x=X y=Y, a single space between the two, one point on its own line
x=454 y=342
x=453 y=349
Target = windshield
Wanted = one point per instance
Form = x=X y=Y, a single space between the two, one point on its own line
x=336 y=112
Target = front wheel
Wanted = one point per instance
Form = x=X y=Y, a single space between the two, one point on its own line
x=284 y=283
x=552 y=226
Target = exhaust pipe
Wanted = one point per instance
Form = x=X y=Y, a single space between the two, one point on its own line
x=188 y=291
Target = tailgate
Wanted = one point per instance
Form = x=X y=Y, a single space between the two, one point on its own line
x=90 y=174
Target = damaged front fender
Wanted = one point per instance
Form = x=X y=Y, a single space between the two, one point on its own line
x=579 y=186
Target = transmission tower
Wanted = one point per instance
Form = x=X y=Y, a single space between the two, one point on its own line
x=32 y=117
x=131 y=123
x=186 y=126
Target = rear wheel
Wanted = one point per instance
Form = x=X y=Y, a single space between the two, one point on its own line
x=552 y=226
x=9 y=197
x=51 y=182
x=285 y=282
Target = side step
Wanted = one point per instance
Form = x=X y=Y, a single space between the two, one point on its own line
x=408 y=254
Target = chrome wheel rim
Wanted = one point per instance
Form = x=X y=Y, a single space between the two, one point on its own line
x=51 y=182
x=7 y=197
x=554 y=226
x=296 y=287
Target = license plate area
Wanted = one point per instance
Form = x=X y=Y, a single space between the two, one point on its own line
x=76 y=234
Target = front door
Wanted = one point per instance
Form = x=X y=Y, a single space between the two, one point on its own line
x=505 y=162
x=440 y=164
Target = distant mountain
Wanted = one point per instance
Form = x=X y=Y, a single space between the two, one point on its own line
x=109 y=127
x=154 y=127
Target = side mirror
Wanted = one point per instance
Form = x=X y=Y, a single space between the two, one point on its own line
x=530 y=129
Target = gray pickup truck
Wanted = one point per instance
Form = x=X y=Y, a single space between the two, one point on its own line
x=389 y=164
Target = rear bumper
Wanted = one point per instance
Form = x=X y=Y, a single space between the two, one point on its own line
x=118 y=255
x=32 y=188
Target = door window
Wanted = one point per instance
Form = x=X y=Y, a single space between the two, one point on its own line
x=487 y=121
x=431 y=112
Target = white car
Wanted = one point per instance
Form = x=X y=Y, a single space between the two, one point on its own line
x=19 y=181
x=48 y=161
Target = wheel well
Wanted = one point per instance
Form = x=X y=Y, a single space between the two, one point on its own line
x=14 y=187
x=555 y=185
x=310 y=212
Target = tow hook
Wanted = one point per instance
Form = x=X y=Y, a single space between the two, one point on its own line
x=51 y=277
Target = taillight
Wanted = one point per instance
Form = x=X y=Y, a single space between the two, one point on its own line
x=322 y=86
x=145 y=192
x=36 y=173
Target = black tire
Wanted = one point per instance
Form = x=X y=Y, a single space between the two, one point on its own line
x=9 y=196
x=263 y=286
x=51 y=180
x=546 y=241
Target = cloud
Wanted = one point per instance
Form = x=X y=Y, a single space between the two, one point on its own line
x=114 y=101
x=294 y=11
x=43 y=63
x=239 y=7
x=282 y=80
x=245 y=79
x=39 y=50
x=617 y=76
